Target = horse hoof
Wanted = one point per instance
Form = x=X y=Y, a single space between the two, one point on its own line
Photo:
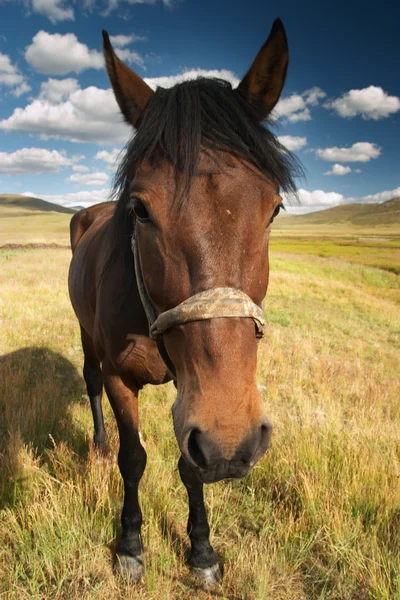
x=210 y=576
x=129 y=568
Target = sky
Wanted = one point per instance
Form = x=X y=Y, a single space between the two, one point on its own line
x=61 y=131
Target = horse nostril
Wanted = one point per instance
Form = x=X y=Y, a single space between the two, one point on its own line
x=194 y=448
x=202 y=449
x=265 y=435
x=252 y=449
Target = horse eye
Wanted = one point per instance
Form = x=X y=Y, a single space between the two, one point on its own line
x=140 y=211
x=276 y=212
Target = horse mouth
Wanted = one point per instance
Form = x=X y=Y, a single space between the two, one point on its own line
x=223 y=470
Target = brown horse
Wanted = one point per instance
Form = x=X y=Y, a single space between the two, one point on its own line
x=184 y=252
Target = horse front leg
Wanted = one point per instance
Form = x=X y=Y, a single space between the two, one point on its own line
x=202 y=560
x=131 y=462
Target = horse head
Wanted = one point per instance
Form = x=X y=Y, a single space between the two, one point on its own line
x=201 y=181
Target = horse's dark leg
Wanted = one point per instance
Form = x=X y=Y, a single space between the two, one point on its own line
x=132 y=462
x=202 y=560
x=94 y=386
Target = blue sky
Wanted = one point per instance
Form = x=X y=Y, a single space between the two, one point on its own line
x=60 y=130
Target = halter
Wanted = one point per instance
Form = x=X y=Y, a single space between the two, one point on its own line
x=210 y=304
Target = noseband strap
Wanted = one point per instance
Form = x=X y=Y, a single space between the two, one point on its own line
x=210 y=304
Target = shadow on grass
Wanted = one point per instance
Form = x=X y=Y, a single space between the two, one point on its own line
x=37 y=389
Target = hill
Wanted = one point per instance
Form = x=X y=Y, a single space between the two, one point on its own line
x=31 y=204
x=359 y=215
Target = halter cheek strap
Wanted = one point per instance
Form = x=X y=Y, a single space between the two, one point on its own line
x=149 y=307
x=210 y=304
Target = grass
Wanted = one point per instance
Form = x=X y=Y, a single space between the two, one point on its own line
x=40 y=228
x=366 y=234
x=27 y=220
x=318 y=518
x=382 y=251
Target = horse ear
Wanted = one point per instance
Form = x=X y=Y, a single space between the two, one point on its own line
x=131 y=92
x=264 y=81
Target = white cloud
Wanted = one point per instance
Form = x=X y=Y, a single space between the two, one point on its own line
x=292 y=142
x=55 y=90
x=320 y=197
x=80 y=168
x=371 y=103
x=5 y=64
x=313 y=96
x=303 y=115
x=89 y=179
x=319 y=200
x=125 y=40
x=309 y=201
x=87 y=115
x=11 y=77
x=108 y=157
x=53 y=10
x=295 y=107
x=82 y=198
x=114 y=4
x=34 y=160
x=338 y=169
x=380 y=196
x=57 y=54
x=289 y=105
x=358 y=152
x=20 y=90
x=131 y=57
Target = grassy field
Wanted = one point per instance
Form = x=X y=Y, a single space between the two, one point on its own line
x=318 y=518
x=33 y=221
x=366 y=234
x=382 y=250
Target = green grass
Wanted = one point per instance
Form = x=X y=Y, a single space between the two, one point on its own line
x=318 y=518
x=381 y=252
x=366 y=234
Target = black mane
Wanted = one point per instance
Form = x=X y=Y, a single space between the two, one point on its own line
x=204 y=114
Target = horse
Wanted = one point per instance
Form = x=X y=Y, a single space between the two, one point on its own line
x=168 y=281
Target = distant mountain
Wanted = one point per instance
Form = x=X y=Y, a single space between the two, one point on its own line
x=32 y=204
x=363 y=215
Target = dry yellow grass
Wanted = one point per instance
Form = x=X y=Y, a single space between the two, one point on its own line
x=318 y=518
x=28 y=228
x=32 y=221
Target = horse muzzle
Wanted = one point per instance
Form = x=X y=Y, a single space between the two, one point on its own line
x=212 y=462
